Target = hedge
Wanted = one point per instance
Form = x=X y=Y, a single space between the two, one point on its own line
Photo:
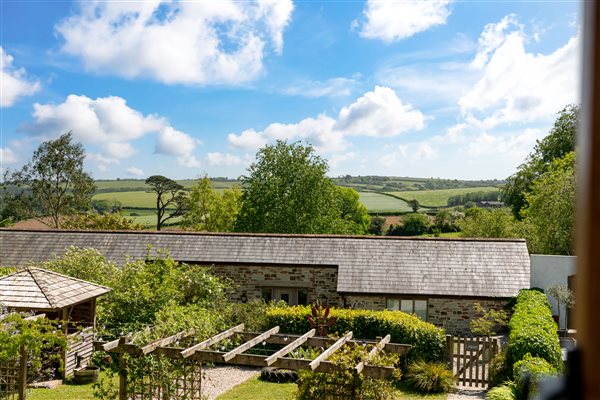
x=532 y=368
x=533 y=331
x=428 y=341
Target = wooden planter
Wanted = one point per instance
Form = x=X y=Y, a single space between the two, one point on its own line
x=85 y=375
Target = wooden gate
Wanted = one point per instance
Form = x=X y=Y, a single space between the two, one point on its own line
x=469 y=358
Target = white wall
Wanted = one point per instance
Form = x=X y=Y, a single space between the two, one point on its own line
x=547 y=270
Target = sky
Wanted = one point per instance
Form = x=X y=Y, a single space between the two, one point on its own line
x=439 y=88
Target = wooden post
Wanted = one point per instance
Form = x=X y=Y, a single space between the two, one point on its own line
x=122 y=372
x=22 y=381
x=450 y=351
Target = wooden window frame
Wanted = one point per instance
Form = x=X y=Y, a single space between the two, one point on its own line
x=412 y=299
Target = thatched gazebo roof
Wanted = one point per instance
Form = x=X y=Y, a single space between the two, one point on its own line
x=39 y=289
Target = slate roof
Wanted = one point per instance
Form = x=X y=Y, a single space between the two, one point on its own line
x=40 y=289
x=385 y=265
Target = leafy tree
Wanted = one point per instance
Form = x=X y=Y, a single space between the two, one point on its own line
x=413 y=224
x=549 y=213
x=287 y=191
x=53 y=184
x=209 y=210
x=445 y=221
x=489 y=321
x=414 y=204
x=497 y=223
x=559 y=142
x=354 y=214
x=563 y=295
x=376 y=226
x=170 y=198
x=112 y=222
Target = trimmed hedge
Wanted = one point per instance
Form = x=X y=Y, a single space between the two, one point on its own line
x=428 y=341
x=532 y=368
x=533 y=331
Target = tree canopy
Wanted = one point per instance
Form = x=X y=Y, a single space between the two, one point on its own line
x=287 y=191
x=53 y=184
x=170 y=198
x=559 y=142
x=211 y=211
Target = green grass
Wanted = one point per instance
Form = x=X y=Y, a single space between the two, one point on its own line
x=130 y=199
x=140 y=185
x=437 y=198
x=377 y=202
x=255 y=389
x=67 y=391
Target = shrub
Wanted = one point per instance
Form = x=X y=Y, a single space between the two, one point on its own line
x=499 y=370
x=531 y=369
x=428 y=341
x=431 y=377
x=532 y=330
x=345 y=383
x=504 y=392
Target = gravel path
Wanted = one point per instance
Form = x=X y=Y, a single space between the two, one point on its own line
x=460 y=393
x=219 y=379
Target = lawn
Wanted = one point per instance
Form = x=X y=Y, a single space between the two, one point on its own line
x=140 y=185
x=67 y=391
x=377 y=202
x=255 y=389
x=437 y=198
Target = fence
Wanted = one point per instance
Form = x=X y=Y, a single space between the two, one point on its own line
x=469 y=358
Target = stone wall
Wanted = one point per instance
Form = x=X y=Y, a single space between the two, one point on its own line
x=452 y=314
x=321 y=282
x=455 y=314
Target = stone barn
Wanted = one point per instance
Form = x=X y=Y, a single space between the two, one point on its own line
x=438 y=279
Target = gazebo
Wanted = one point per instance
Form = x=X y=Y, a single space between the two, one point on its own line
x=59 y=297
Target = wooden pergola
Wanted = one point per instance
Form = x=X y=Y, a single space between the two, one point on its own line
x=201 y=352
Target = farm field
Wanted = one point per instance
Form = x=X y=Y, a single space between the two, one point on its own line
x=140 y=185
x=438 y=198
x=138 y=199
x=377 y=202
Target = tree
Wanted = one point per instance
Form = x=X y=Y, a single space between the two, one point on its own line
x=170 y=198
x=414 y=224
x=549 y=213
x=559 y=142
x=354 y=215
x=53 y=184
x=287 y=191
x=377 y=225
x=563 y=295
x=209 y=210
x=414 y=204
x=497 y=223
x=112 y=222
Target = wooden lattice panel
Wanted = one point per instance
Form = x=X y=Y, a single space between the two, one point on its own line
x=9 y=375
x=150 y=383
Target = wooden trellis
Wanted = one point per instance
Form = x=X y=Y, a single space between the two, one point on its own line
x=187 y=385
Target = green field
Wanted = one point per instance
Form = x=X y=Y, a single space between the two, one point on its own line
x=137 y=199
x=437 y=198
x=130 y=185
x=377 y=202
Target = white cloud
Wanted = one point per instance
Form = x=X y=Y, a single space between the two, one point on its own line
x=334 y=87
x=119 y=150
x=110 y=123
x=102 y=162
x=7 y=156
x=134 y=171
x=179 y=144
x=517 y=86
x=223 y=160
x=512 y=146
x=101 y=120
x=391 y=20
x=425 y=152
x=389 y=159
x=191 y=42
x=379 y=113
x=248 y=139
x=15 y=82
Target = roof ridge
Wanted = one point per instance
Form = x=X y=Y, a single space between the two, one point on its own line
x=42 y=289
x=274 y=235
x=69 y=277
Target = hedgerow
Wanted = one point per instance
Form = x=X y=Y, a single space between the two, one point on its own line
x=531 y=369
x=428 y=341
x=533 y=331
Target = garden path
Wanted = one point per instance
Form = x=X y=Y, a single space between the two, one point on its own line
x=460 y=393
x=219 y=379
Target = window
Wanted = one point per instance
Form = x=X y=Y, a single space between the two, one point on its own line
x=411 y=306
x=292 y=296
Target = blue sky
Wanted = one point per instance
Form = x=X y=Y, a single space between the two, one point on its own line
x=440 y=88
